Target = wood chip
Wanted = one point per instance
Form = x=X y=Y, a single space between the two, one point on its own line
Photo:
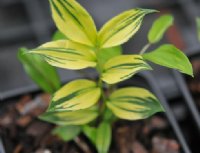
x=163 y=145
x=23 y=121
x=43 y=151
x=18 y=148
x=22 y=102
x=33 y=107
x=138 y=148
x=38 y=128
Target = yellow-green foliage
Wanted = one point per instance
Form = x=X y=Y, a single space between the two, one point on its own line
x=80 y=102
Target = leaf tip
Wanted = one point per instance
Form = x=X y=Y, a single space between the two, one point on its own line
x=162 y=109
x=189 y=70
x=148 y=11
x=22 y=51
x=148 y=67
x=191 y=74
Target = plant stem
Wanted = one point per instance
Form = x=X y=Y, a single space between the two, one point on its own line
x=144 y=49
x=100 y=84
x=103 y=96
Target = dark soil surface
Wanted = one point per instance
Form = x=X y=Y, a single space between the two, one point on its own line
x=22 y=132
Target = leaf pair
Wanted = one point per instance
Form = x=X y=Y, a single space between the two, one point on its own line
x=72 y=104
x=68 y=13
x=82 y=45
x=166 y=55
x=68 y=54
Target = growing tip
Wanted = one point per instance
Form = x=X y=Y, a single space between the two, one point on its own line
x=147 y=11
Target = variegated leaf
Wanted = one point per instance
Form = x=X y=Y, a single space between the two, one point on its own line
x=123 y=67
x=79 y=117
x=76 y=95
x=67 y=54
x=122 y=27
x=133 y=103
x=74 y=21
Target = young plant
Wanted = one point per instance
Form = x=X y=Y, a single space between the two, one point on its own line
x=91 y=106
